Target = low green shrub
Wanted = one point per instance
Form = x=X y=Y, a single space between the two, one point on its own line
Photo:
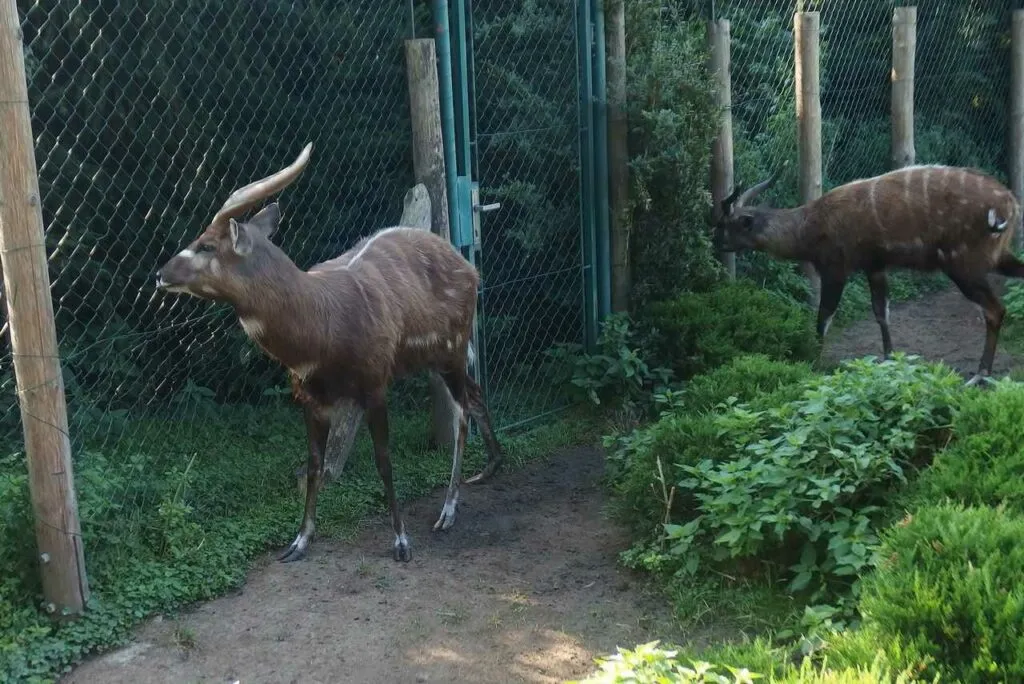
x=949 y=585
x=803 y=485
x=698 y=331
x=984 y=464
x=747 y=377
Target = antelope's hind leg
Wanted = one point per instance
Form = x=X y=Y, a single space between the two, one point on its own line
x=979 y=291
x=879 y=286
x=455 y=383
x=478 y=409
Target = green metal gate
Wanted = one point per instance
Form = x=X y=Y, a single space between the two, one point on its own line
x=525 y=136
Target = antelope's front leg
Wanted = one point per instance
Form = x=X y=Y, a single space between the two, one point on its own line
x=377 y=421
x=345 y=422
x=317 y=430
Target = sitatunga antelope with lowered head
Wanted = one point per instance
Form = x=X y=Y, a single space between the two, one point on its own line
x=399 y=301
x=926 y=218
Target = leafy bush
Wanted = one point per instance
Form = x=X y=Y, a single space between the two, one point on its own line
x=803 y=484
x=985 y=461
x=644 y=463
x=699 y=331
x=650 y=664
x=949 y=585
x=619 y=372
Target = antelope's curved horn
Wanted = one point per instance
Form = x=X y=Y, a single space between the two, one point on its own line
x=248 y=196
x=756 y=190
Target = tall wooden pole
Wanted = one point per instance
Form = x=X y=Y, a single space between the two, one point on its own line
x=904 y=46
x=429 y=169
x=721 y=150
x=34 y=338
x=808 y=113
x=1017 y=114
x=618 y=155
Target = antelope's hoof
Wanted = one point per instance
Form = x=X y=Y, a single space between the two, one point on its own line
x=483 y=475
x=447 y=518
x=402 y=550
x=980 y=380
x=296 y=551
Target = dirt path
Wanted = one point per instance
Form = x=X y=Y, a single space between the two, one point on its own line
x=524 y=588
x=943 y=326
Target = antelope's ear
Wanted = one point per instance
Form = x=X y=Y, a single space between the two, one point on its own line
x=267 y=220
x=728 y=202
x=241 y=239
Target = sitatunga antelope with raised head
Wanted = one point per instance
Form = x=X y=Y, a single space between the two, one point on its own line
x=399 y=301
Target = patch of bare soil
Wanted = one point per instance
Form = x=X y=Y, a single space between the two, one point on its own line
x=524 y=588
x=943 y=326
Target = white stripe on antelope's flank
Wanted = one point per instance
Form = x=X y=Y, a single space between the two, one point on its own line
x=874 y=206
x=252 y=327
x=423 y=341
x=369 y=242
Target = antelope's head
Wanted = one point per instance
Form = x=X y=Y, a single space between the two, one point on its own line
x=218 y=263
x=741 y=226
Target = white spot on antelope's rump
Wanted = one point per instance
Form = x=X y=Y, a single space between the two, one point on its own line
x=449 y=292
x=994 y=220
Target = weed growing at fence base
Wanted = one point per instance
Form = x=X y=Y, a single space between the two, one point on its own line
x=171 y=521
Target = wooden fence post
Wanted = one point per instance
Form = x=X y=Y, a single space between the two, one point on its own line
x=806 y=27
x=34 y=338
x=618 y=155
x=1017 y=114
x=721 y=147
x=429 y=169
x=904 y=45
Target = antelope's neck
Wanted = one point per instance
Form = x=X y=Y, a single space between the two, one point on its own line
x=787 y=236
x=285 y=320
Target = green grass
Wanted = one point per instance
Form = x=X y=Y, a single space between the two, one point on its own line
x=176 y=512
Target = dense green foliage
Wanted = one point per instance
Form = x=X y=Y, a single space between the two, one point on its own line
x=949 y=585
x=697 y=331
x=802 y=484
x=983 y=464
x=672 y=122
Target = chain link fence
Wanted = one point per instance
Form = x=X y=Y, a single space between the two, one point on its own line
x=961 y=91
x=961 y=99
x=527 y=129
x=147 y=115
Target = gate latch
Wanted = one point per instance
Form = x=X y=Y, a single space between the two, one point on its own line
x=479 y=209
